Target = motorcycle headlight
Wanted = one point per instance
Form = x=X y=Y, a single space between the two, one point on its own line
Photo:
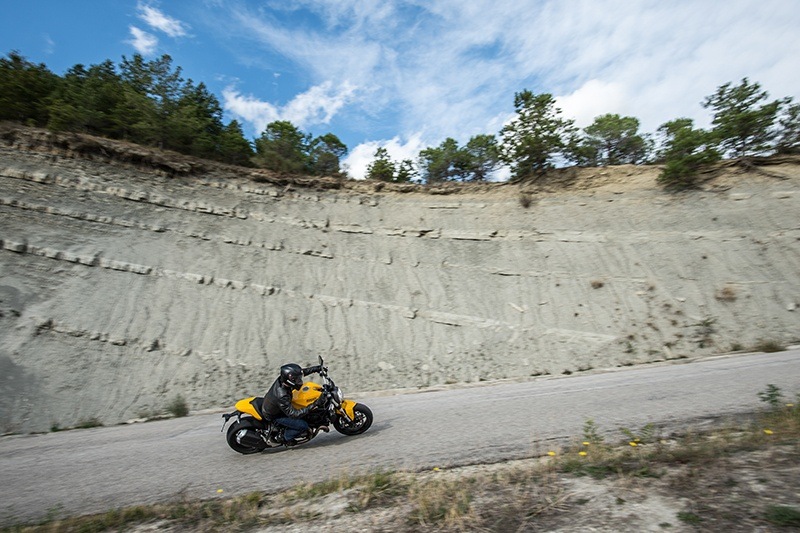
x=339 y=395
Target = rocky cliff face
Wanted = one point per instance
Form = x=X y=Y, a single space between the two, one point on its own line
x=128 y=276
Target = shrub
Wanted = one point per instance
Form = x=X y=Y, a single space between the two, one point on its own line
x=726 y=294
x=768 y=346
x=86 y=423
x=771 y=395
x=689 y=518
x=178 y=407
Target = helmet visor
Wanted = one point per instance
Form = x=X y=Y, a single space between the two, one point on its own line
x=295 y=381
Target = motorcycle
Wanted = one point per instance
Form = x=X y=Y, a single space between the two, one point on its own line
x=252 y=433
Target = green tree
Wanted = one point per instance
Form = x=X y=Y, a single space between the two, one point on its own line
x=233 y=147
x=684 y=151
x=535 y=136
x=97 y=96
x=742 y=123
x=136 y=117
x=24 y=90
x=788 y=141
x=609 y=140
x=442 y=163
x=449 y=162
x=325 y=154
x=406 y=171
x=65 y=105
x=381 y=168
x=481 y=157
x=195 y=125
x=162 y=86
x=282 y=147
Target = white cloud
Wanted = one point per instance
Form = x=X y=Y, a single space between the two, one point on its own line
x=318 y=105
x=450 y=68
x=49 y=45
x=359 y=158
x=144 y=43
x=161 y=22
x=592 y=99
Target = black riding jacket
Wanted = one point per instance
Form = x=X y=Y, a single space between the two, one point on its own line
x=278 y=400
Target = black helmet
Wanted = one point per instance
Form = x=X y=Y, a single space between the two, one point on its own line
x=292 y=376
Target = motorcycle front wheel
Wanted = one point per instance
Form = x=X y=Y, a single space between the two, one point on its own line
x=361 y=421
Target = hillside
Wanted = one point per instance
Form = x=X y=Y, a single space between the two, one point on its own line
x=129 y=276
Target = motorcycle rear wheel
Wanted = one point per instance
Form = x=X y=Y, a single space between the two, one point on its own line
x=361 y=422
x=231 y=437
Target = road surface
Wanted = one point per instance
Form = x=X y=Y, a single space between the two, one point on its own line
x=95 y=470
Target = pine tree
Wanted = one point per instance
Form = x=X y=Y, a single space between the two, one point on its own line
x=536 y=136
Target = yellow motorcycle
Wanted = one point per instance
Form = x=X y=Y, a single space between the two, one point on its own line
x=252 y=433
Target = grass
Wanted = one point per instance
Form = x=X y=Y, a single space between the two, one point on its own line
x=689 y=518
x=512 y=498
x=783 y=515
x=445 y=502
x=370 y=489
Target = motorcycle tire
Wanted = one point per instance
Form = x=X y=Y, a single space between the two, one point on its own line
x=231 y=437
x=361 y=422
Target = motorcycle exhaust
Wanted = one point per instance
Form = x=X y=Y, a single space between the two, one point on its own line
x=249 y=438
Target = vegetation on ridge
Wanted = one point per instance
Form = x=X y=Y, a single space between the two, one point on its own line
x=149 y=103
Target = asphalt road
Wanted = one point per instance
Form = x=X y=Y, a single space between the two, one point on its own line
x=93 y=470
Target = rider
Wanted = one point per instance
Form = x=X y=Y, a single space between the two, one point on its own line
x=278 y=406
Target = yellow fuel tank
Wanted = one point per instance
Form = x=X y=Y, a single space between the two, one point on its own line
x=307 y=395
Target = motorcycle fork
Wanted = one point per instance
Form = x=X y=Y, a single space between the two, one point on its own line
x=346 y=408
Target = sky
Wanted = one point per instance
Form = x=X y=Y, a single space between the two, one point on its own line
x=405 y=75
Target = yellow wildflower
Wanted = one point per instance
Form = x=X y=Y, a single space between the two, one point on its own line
x=768 y=431
x=582 y=454
x=551 y=454
x=586 y=443
x=632 y=443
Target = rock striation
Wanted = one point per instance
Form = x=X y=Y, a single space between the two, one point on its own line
x=126 y=280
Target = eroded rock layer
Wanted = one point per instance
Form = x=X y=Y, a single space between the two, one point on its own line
x=123 y=284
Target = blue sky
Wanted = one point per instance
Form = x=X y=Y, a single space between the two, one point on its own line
x=406 y=75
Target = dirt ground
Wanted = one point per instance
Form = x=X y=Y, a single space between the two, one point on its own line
x=733 y=493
